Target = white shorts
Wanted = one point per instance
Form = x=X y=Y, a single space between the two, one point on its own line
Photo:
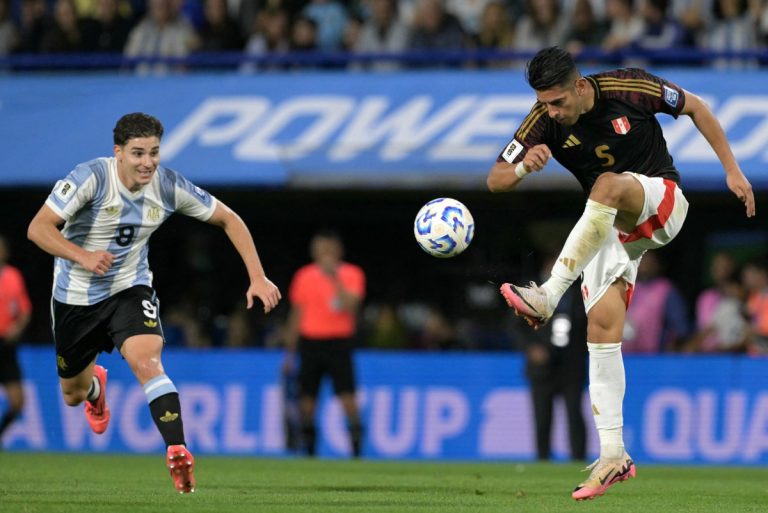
x=663 y=214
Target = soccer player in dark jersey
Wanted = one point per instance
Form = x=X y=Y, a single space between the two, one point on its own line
x=603 y=129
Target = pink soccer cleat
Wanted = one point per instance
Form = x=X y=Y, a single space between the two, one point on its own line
x=605 y=473
x=98 y=413
x=181 y=464
x=529 y=302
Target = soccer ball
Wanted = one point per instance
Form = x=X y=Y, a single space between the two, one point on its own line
x=444 y=227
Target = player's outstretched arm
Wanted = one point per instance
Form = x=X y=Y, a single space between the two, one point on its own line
x=44 y=231
x=505 y=177
x=710 y=128
x=238 y=233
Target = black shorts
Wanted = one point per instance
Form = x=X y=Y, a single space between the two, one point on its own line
x=82 y=332
x=320 y=357
x=9 y=363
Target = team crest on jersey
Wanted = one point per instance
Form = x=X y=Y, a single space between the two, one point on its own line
x=112 y=211
x=64 y=189
x=621 y=125
x=671 y=96
x=512 y=150
x=153 y=214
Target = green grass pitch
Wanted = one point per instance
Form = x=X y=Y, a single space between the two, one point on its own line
x=83 y=483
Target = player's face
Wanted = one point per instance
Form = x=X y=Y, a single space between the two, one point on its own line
x=137 y=161
x=563 y=103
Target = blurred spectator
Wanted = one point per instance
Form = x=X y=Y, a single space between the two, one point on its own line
x=661 y=31
x=438 y=333
x=219 y=33
x=556 y=366
x=107 y=31
x=304 y=35
x=330 y=18
x=624 y=24
x=755 y=279
x=657 y=317
x=468 y=12
x=352 y=31
x=163 y=32
x=33 y=25
x=385 y=331
x=8 y=33
x=435 y=28
x=383 y=32
x=543 y=25
x=722 y=273
x=15 y=312
x=733 y=29
x=64 y=35
x=585 y=30
x=728 y=327
x=694 y=15
x=496 y=30
x=182 y=328
x=269 y=36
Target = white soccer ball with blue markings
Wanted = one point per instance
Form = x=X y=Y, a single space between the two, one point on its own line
x=444 y=227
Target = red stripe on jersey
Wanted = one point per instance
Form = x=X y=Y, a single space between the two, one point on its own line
x=645 y=229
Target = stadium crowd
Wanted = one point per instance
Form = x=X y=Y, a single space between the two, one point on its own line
x=258 y=28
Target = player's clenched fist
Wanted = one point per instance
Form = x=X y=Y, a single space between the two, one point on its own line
x=537 y=157
x=98 y=262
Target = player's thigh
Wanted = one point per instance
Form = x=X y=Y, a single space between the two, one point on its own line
x=80 y=334
x=605 y=320
x=136 y=313
x=619 y=190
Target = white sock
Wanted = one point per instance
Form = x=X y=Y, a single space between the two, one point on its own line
x=95 y=391
x=606 y=390
x=583 y=243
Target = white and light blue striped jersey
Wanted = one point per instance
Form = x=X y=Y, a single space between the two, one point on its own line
x=101 y=213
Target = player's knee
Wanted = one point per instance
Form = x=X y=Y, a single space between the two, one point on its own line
x=608 y=189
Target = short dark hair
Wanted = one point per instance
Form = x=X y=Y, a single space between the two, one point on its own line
x=549 y=68
x=136 y=125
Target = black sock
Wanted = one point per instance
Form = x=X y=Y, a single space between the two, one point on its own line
x=309 y=438
x=166 y=412
x=356 y=438
x=9 y=417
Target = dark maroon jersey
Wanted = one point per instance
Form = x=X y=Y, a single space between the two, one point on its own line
x=620 y=133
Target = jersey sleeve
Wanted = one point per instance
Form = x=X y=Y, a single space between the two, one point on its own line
x=354 y=280
x=191 y=200
x=530 y=133
x=640 y=87
x=73 y=192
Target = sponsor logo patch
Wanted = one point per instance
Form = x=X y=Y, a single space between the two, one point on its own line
x=671 y=96
x=512 y=150
x=64 y=189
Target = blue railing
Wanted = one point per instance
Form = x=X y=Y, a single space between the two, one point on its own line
x=413 y=58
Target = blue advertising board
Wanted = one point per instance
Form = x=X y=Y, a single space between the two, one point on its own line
x=314 y=129
x=470 y=406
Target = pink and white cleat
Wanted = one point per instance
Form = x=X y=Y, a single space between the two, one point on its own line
x=605 y=473
x=529 y=302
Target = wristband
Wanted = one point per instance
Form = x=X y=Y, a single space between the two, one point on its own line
x=520 y=170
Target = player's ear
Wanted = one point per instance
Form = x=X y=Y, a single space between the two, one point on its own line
x=581 y=86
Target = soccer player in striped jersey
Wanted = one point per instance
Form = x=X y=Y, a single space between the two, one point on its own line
x=102 y=286
x=603 y=129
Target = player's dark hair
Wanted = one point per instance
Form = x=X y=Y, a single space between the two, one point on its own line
x=551 y=67
x=136 y=125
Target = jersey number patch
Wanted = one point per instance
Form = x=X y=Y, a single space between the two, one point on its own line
x=602 y=153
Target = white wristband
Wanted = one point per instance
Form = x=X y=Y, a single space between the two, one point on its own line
x=520 y=170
